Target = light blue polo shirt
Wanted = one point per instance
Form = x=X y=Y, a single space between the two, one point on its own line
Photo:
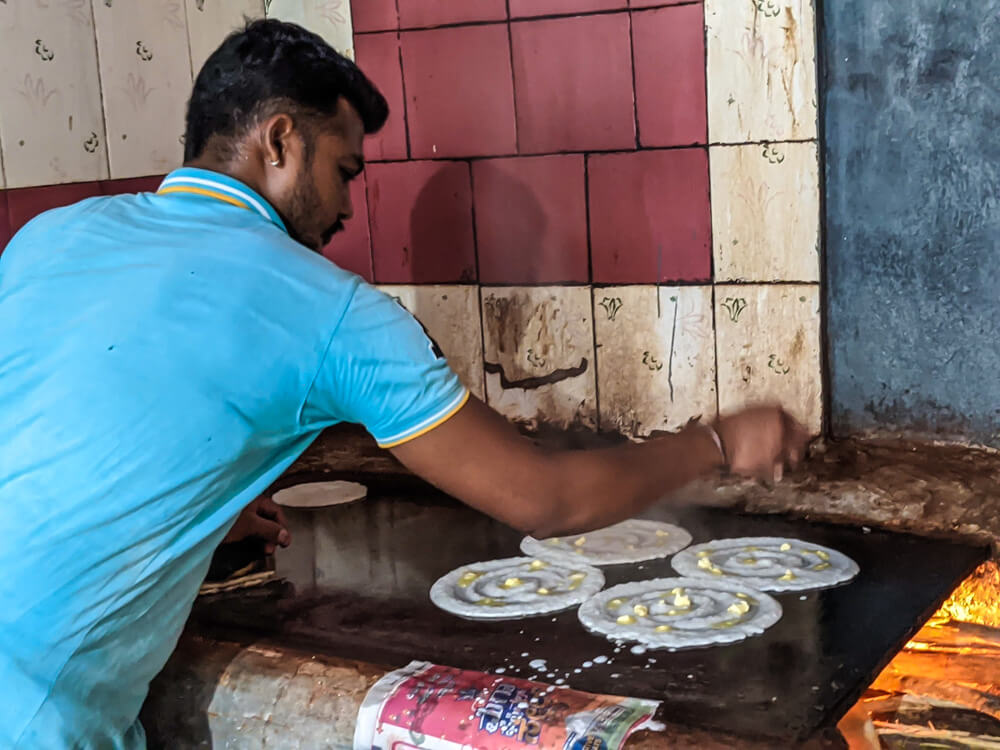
x=163 y=359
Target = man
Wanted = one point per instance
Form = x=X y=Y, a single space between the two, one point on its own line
x=164 y=358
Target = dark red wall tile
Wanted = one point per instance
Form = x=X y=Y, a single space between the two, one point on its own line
x=669 y=47
x=25 y=204
x=419 y=14
x=573 y=83
x=131 y=185
x=373 y=15
x=650 y=219
x=4 y=221
x=351 y=249
x=528 y=8
x=421 y=220
x=531 y=219
x=378 y=56
x=459 y=93
x=657 y=3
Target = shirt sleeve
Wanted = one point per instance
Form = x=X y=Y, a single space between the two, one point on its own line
x=383 y=371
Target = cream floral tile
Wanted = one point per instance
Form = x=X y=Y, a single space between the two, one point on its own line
x=539 y=354
x=52 y=124
x=768 y=339
x=450 y=313
x=146 y=82
x=765 y=212
x=761 y=70
x=331 y=19
x=655 y=357
x=211 y=21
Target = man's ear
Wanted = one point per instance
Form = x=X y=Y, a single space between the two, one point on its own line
x=276 y=137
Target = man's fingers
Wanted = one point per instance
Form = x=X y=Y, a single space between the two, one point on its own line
x=268 y=530
x=796 y=440
x=271 y=511
x=279 y=514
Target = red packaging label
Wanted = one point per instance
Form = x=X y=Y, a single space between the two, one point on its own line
x=430 y=707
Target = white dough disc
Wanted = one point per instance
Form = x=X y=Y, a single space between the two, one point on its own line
x=626 y=542
x=513 y=588
x=320 y=494
x=766 y=563
x=679 y=612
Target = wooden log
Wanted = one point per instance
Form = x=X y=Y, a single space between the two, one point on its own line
x=902 y=737
x=955 y=636
x=953 y=661
x=913 y=710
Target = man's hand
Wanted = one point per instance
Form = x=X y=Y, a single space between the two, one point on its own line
x=263 y=519
x=761 y=441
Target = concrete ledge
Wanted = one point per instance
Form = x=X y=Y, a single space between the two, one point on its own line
x=948 y=491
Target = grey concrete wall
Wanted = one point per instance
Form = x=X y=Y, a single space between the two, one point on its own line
x=911 y=97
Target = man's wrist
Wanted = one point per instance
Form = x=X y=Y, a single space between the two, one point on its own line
x=716 y=439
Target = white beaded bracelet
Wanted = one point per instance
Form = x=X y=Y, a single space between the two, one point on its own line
x=718 y=442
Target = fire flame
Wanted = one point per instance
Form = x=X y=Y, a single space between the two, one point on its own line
x=976 y=600
x=952 y=660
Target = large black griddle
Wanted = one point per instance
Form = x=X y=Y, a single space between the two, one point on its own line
x=799 y=677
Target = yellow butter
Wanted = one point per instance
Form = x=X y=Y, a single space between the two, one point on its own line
x=468 y=577
x=488 y=602
x=738 y=608
x=725 y=624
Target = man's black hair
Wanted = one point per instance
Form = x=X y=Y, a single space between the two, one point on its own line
x=269 y=67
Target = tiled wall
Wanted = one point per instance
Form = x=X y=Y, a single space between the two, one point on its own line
x=93 y=92
x=606 y=211
x=624 y=194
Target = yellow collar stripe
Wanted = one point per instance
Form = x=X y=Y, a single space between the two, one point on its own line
x=203 y=191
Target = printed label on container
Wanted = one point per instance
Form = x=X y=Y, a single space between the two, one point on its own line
x=429 y=707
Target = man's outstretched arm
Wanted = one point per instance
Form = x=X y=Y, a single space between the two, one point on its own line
x=479 y=458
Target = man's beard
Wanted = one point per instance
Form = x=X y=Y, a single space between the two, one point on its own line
x=328 y=234
x=303 y=207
